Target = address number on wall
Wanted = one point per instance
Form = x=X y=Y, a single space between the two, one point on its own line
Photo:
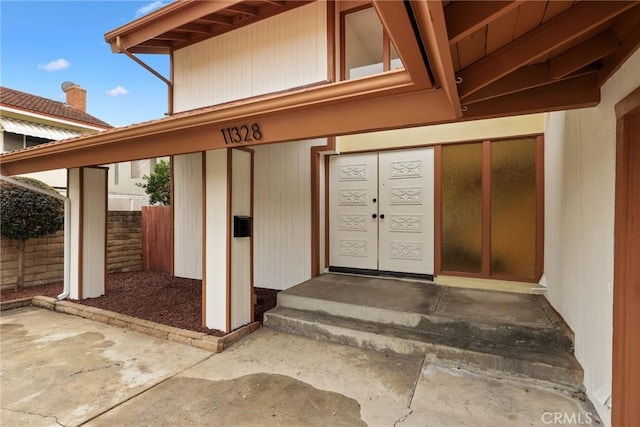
x=241 y=134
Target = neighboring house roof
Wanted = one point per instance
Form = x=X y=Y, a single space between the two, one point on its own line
x=37 y=104
x=39 y=130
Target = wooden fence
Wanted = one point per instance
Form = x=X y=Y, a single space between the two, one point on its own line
x=157 y=238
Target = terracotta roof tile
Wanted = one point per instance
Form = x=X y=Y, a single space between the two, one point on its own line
x=38 y=104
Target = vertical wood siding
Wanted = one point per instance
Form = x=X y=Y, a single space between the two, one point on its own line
x=73 y=192
x=94 y=231
x=279 y=53
x=241 y=298
x=216 y=239
x=187 y=202
x=282 y=211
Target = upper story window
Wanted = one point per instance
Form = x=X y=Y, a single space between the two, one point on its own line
x=13 y=141
x=366 y=48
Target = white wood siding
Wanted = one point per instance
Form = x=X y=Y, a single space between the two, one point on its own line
x=278 y=53
x=73 y=192
x=94 y=219
x=241 y=298
x=282 y=214
x=88 y=231
x=216 y=239
x=187 y=210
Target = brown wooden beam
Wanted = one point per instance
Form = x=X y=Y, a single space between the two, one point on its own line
x=433 y=29
x=275 y=2
x=583 y=54
x=396 y=23
x=365 y=115
x=556 y=32
x=628 y=47
x=524 y=78
x=242 y=8
x=173 y=35
x=579 y=92
x=216 y=18
x=465 y=17
x=194 y=28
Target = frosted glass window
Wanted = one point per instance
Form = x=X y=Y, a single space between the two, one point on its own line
x=513 y=208
x=462 y=208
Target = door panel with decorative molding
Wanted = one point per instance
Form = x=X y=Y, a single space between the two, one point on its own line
x=353 y=229
x=406 y=185
x=381 y=211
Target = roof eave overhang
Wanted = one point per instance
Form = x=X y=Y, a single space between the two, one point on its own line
x=332 y=109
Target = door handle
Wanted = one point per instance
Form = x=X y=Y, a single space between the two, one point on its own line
x=381 y=216
x=374 y=216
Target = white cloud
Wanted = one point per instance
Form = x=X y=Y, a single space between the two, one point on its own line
x=117 y=91
x=150 y=7
x=55 y=65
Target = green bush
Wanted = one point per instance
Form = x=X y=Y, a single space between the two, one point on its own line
x=158 y=184
x=26 y=214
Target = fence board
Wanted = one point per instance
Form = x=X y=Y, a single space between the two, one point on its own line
x=157 y=238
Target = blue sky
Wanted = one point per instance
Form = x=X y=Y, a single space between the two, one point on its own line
x=44 y=43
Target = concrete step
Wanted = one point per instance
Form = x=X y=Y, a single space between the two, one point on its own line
x=555 y=368
x=549 y=338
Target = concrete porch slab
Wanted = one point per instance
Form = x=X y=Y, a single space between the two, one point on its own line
x=415 y=297
x=493 y=307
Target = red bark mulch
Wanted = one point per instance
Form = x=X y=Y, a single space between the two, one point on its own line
x=157 y=297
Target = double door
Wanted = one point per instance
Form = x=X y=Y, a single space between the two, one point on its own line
x=381 y=208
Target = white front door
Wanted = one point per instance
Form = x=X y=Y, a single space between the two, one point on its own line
x=406 y=189
x=381 y=211
x=353 y=230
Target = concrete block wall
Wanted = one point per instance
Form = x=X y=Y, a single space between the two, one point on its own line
x=44 y=256
x=124 y=241
x=43 y=260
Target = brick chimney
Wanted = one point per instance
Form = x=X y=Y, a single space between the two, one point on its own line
x=76 y=96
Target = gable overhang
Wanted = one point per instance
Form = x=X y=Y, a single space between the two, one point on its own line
x=464 y=60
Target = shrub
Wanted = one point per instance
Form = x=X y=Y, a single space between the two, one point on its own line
x=27 y=214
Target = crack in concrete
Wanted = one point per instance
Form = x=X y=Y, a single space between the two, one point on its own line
x=84 y=371
x=403 y=418
x=34 y=414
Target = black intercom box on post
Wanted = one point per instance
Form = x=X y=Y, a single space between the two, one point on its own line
x=241 y=226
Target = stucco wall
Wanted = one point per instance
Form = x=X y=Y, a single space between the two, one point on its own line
x=437 y=134
x=579 y=218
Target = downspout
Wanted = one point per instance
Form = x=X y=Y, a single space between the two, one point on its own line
x=67 y=229
x=152 y=71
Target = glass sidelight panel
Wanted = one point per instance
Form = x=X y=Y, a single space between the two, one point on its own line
x=513 y=208
x=462 y=208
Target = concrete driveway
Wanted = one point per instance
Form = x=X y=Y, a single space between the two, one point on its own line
x=59 y=369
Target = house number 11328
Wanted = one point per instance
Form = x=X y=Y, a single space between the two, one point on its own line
x=240 y=134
